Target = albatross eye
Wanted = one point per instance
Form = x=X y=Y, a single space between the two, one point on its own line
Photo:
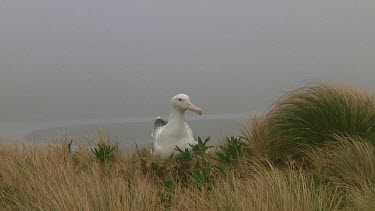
x=179 y=99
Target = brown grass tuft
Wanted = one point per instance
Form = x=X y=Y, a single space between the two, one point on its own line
x=308 y=117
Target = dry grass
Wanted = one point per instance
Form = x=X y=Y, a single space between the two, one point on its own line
x=332 y=128
x=348 y=164
x=34 y=178
x=308 y=117
x=266 y=188
x=362 y=198
x=50 y=178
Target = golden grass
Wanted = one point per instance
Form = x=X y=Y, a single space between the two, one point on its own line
x=340 y=174
x=308 y=117
x=362 y=198
x=50 y=178
x=34 y=178
x=349 y=164
x=267 y=188
x=347 y=161
x=254 y=132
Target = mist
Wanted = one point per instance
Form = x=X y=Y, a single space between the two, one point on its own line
x=78 y=60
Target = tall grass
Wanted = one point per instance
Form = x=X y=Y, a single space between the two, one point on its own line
x=330 y=127
x=346 y=161
x=266 y=188
x=308 y=117
x=34 y=178
x=349 y=164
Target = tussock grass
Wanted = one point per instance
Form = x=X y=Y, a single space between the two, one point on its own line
x=362 y=198
x=349 y=164
x=330 y=127
x=308 y=117
x=268 y=188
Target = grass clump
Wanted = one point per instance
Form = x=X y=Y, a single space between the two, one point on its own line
x=308 y=117
x=104 y=150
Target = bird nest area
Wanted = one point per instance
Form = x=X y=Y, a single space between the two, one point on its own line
x=312 y=150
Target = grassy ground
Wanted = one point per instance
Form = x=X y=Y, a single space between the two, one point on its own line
x=314 y=150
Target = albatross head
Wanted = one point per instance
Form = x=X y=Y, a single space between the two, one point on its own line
x=181 y=102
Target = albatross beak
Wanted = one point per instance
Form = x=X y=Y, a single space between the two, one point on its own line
x=194 y=108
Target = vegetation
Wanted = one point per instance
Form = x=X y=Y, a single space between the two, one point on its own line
x=310 y=117
x=313 y=150
x=232 y=150
x=103 y=150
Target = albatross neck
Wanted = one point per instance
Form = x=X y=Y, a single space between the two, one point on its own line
x=176 y=123
x=176 y=117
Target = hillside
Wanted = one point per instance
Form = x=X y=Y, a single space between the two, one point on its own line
x=312 y=150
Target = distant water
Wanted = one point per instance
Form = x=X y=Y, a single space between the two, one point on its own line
x=126 y=132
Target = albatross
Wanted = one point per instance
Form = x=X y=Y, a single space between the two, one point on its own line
x=174 y=132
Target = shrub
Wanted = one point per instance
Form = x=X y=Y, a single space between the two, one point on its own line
x=232 y=150
x=202 y=147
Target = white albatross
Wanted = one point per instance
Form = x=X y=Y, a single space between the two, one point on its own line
x=174 y=132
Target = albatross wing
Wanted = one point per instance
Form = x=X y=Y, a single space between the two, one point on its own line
x=158 y=127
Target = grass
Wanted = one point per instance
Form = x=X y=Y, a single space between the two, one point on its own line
x=78 y=182
x=313 y=150
x=104 y=150
x=232 y=150
x=267 y=188
x=349 y=164
x=309 y=117
x=347 y=161
x=35 y=178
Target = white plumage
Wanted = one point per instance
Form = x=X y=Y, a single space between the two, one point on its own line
x=174 y=132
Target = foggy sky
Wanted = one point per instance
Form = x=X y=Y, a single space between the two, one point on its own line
x=75 y=59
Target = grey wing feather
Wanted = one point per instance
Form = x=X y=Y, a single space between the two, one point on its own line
x=159 y=122
x=158 y=126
